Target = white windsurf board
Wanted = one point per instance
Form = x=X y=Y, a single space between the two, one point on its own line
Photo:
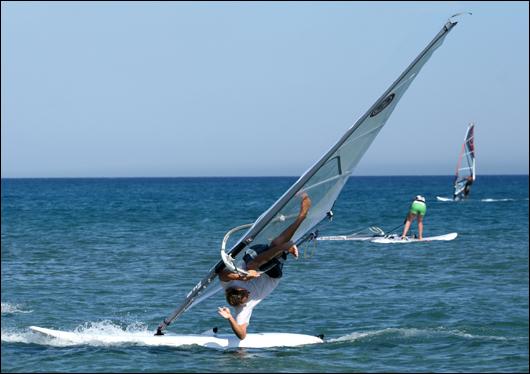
x=397 y=239
x=218 y=341
x=346 y=237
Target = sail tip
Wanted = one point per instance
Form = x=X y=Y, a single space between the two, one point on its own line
x=451 y=19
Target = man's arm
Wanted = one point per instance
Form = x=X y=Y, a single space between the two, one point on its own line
x=239 y=330
x=227 y=276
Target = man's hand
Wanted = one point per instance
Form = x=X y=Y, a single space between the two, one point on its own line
x=251 y=275
x=239 y=330
x=224 y=312
x=227 y=276
x=293 y=250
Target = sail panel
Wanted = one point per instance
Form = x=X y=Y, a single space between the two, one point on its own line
x=324 y=181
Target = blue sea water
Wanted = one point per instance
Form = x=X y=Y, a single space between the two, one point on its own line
x=118 y=255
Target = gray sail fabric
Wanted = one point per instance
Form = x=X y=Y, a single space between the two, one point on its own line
x=324 y=181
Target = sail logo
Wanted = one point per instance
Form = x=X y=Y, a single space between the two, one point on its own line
x=378 y=109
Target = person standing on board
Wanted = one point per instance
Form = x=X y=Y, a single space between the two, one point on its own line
x=417 y=210
x=244 y=292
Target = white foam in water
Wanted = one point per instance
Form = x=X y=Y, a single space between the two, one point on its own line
x=85 y=334
x=487 y=200
x=16 y=337
x=29 y=337
x=413 y=332
x=355 y=336
x=110 y=328
x=391 y=330
x=8 y=308
x=90 y=333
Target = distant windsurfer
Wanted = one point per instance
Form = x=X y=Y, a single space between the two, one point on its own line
x=244 y=292
x=417 y=210
x=464 y=192
x=467 y=187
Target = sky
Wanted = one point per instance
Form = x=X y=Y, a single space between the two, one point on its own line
x=169 y=89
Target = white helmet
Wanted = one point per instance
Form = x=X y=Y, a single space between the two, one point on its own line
x=420 y=198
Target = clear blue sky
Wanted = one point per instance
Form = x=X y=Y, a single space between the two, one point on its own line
x=117 y=89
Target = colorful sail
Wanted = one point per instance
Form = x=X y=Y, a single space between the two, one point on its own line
x=465 y=168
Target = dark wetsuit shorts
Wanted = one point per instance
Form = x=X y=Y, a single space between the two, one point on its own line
x=272 y=268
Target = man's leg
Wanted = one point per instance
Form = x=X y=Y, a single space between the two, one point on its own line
x=265 y=256
x=410 y=217
x=420 y=226
x=282 y=242
x=288 y=233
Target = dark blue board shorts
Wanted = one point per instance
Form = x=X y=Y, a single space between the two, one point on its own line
x=272 y=268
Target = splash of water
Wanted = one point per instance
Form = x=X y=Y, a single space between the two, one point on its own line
x=8 y=308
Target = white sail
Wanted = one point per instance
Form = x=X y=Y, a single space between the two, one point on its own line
x=465 y=168
x=324 y=180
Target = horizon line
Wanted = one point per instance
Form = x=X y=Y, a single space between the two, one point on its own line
x=254 y=176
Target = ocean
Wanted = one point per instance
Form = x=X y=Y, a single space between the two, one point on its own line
x=118 y=256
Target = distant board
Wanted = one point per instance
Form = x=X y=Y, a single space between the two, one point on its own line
x=347 y=237
x=397 y=239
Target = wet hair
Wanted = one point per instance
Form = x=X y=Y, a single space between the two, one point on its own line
x=235 y=296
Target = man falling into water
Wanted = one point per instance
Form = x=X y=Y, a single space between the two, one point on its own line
x=244 y=292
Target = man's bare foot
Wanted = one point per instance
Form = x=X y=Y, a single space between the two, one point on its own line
x=305 y=205
x=294 y=251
